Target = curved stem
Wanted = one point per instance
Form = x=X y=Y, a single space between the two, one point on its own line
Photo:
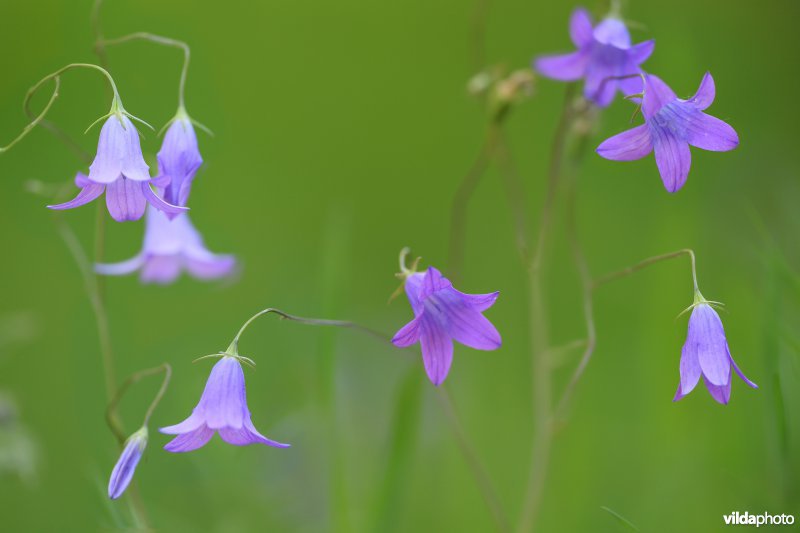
x=111 y=412
x=95 y=299
x=116 y=102
x=479 y=471
x=591 y=340
x=158 y=39
x=36 y=119
x=234 y=346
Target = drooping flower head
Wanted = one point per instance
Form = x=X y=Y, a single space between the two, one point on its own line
x=126 y=464
x=119 y=170
x=671 y=125
x=604 y=55
x=223 y=409
x=170 y=247
x=441 y=315
x=705 y=354
x=179 y=159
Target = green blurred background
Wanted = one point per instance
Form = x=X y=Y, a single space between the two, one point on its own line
x=342 y=130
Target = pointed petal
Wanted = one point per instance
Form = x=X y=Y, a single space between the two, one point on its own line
x=125 y=200
x=639 y=53
x=168 y=209
x=627 y=146
x=656 y=95
x=247 y=434
x=704 y=96
x=86 y=195
x=408 y=334
x=479 y=302
x=413 y=288
x=186 y=442
x=739 y=372
x=437 y=350
x=580 y=27
x=471 y=328
x=566 y=67
x=678 y=394
x=120 y=269
x=710 y=133
x=721 y=393
x=672 y=157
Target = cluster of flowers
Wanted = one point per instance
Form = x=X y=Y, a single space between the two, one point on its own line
x=607 y=62
x=171 y=242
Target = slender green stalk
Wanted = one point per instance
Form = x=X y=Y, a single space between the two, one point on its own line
x=112 y=417
x=541 y=365
x=458 y=216
x=470 y=455
x=479 y=473
x=158 y=39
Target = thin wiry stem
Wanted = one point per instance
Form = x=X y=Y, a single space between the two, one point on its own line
x=158 y=39
x=476 y=468
x=98 y=306
x=470 y=455
x=541 y=365
x=112 y=417
x=37 y=118
x=458 y=216
x=515 y=194
x=591 y=340
x=234 y=346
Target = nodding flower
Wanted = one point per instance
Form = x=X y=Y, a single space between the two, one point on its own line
x=119 y=170
x=222 y=409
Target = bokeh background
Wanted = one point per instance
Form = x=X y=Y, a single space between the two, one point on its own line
x=342 y=130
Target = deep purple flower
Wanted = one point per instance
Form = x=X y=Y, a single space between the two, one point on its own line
x=604 y=54
x=706 y=354
x=671 y=125
x=126 y=464
x=443 y=314
x=170 y=246
x=222 y=408
x=179 y=159
x=119 y=170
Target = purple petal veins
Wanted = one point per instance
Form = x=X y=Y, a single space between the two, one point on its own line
x=706 y=355
x=223 y=409
x=120 y=171
x=441 y=315
x=671 y=126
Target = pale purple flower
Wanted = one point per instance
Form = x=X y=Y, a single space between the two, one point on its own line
x=170 y=247
x=179 y=159
x=119 y=170
x=604 y=54
x=671 y=125
x=706 y=354
x=443 y=314
x=223 y=409
x=126 y=464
